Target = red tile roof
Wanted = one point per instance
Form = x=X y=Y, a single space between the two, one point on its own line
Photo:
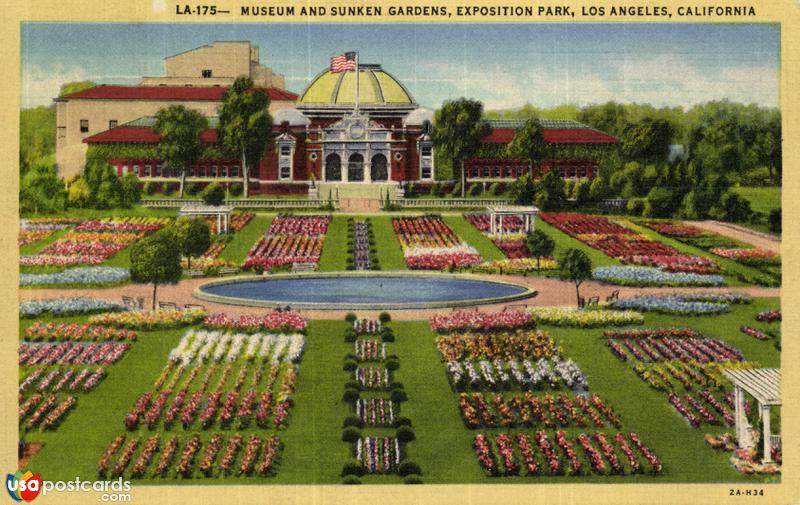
x=139 y=135
x=168 y=93
x=554 y=136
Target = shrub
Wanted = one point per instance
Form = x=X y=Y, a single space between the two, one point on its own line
x=192 y=188
x=636 y=206
x=350 y=365
x=352 y=468
x=775 y=220
x=350 y=395
x=350 y=317
x=350 y=335
x=475 y=189
x=353 y=421
x=352 y=385
x=495 y=189
x=149 y=188
x=384 y=317
x=412 y=479
x=396 y=385
x=398 y=395
x=351 y=434
x=401 y=421
x=408 y=467
x=387 y=335
x=351 y=480
x=236 y=188
x=214 y=194
x=392 y=364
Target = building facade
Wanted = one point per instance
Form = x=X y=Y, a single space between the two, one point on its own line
x=343 y=128
x=87 y=113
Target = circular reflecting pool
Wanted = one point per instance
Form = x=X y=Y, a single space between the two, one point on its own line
x=344 y=291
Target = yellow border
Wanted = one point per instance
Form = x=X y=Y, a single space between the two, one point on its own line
x=787 y=12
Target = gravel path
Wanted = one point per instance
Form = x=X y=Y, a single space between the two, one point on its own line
x=754 y=238
x=552 y=292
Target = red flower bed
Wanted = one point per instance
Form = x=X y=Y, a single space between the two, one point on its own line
x=289 y=239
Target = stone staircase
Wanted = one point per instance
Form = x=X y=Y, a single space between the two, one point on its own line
x=357 y=197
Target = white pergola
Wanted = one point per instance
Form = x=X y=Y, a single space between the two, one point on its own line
x=497 y=213
x=764 y=384
x=222 y=213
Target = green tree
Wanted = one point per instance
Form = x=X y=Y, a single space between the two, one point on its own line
x=75 y=87
x=194 y=238
x=130 y=191
x=41 y=190
x=245 y=125
x=576 y=267
x=523 y=191
x=599 y=189
x=180 y=145
x=214 y=194
x=156 y=259
x=528 y=143
x=732 y=207
x=37 y=135
x=78 y=194
x=582 y=192
x=539 y=245
x=775 y=220
x=660 y=202
x=648 y=140
x=459 y=128
x=553 y=185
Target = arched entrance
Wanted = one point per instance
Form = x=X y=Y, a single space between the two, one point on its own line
x=333 y=167
x=378 y=171
x=355 y=168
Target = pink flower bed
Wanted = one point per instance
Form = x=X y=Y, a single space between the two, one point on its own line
x=673 y=229
x=289 y=239
x=253 y=322
x=626 y=245
x=429 y=244
x=480 y=321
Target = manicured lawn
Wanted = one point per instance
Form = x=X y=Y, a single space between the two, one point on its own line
x=314 y=452
x=475 y=238
x=564 y=242
x=389 y=252
x=237 y=248
x=761 y=199
x=334 y=253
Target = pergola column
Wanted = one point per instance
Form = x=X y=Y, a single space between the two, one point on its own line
x=742 y=437
x=219 y=223
x=502 y=225
x=767 y=442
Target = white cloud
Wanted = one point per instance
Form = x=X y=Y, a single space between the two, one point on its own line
x=40 y=85
x=661 y=80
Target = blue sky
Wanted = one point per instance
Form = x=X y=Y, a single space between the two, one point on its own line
x=503 y=65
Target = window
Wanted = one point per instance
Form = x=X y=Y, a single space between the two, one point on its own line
x=583 y=171
x=496 y=171
x=112 y=123
x=234 y=171
x=285 y=159
x=84 y=126
x=125 y=169
x=207 y=74
x=156 y=173
x=485 y=171
x=214 y=172
x=426 y=160
x=224 y=172
x=62 y=132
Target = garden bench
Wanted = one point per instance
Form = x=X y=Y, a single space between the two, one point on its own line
x=614 y=296
x=190 y=306
x=229 y=270
x=593 y=301
x=167 y=305
x=194 y=272
x=303 y=267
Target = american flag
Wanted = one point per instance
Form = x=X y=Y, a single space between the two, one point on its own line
x=343 y=62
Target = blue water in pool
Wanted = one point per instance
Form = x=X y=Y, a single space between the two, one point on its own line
x=365 y=290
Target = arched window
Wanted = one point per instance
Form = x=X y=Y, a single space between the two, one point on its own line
x=333 y=167
x=355 y=168
x=378 y=171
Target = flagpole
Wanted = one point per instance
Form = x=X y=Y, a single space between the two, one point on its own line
x=358 y=90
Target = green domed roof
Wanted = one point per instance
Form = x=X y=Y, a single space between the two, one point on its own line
x=376 y=87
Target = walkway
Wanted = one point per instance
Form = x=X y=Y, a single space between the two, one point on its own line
x=740 y=233
x=552 y=292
